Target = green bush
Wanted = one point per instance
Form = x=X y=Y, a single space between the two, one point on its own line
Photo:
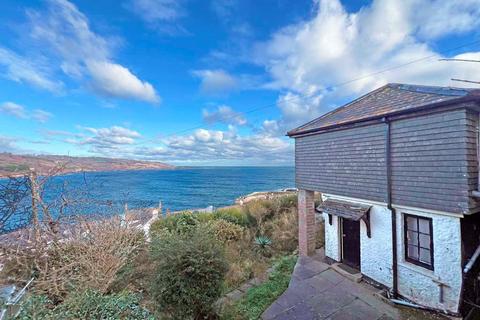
x=85 y=305
x=177 y=223
x=190 y=270
x=234 y=215
x=225 y=231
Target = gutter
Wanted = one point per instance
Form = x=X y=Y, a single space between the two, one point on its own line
x=388 y=167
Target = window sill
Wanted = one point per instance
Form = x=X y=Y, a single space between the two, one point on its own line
x=418 y=269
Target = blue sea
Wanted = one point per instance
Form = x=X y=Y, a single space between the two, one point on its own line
x=178 y=189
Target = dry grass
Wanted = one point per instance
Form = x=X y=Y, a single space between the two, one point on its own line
x=90 y=257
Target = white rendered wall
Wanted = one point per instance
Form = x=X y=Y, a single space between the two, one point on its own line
x=414 y=282
x=332 y=238
x=420 y=284
x=376 y=252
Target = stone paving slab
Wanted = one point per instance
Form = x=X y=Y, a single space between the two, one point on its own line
x=318 y=292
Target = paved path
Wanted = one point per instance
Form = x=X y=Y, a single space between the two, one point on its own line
x=318 y=292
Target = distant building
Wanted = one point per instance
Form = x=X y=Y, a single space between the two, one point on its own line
x=398 y=172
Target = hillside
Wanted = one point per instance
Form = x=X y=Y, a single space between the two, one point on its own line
x=12 y=164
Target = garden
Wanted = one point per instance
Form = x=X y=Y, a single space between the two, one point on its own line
x=187 y=269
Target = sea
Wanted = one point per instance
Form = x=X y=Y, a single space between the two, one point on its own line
x=178 y=189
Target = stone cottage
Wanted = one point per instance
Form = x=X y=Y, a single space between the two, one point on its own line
x=398 y=172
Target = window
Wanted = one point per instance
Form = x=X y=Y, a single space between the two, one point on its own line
x=418 y=240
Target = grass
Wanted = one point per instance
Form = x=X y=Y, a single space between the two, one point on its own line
x=259 y=298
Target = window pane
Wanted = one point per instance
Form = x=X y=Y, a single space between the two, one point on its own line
x=424 y=226
x=412 y=223
x=412 y=237
x=413 y=252
x=425 y=256
x=425 y=241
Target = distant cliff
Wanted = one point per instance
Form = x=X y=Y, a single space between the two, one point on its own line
x=13 y=164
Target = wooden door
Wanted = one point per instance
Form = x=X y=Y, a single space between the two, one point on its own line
x=351 y=243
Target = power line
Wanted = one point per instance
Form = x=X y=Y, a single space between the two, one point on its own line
x=469 y=81
x=460 y=60
x=340 y=84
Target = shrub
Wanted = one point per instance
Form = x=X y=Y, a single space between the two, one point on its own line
x=260 y=211
x=284 y=230
x=204 y=217
x=225 y=231
x=262 y=245
x=190 y=269
x=233 y=215
x=91 y=257
x=178 y=223
x=88 y=304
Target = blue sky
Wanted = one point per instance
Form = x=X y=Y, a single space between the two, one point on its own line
x=209 y=82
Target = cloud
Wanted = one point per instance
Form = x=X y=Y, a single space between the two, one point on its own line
x=318 y=58
x=8 y=144
x=105 y=141
x=14 y=109
x=64 y=34
x=158 y=10
x=41 y=116
x=21 y=69
x=215 y=81
x=114 y=80
x=211 y=145
x=224 y=114
x=161 y=15
x=21 y=112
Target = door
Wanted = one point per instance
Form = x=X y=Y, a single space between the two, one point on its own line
x=351 y=243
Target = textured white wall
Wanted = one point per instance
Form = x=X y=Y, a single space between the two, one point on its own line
x=332 y=238
x=376 y=252
x=420 y=284
x=414 y=282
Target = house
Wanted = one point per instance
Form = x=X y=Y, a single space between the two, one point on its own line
x=398 y=172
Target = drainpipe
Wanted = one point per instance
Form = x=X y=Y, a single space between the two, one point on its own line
x=388 y=165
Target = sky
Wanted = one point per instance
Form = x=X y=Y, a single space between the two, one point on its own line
x=211 y=82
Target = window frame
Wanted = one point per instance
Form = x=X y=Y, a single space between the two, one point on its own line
x=405 y=240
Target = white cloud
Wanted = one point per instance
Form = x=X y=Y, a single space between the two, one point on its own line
x=216 y=81
x=105 y=141
x=313 y=57
x=8 y=144
x=211 y=145
x=80 y=53
x=41 y=116
x=158 y=10
x=21 y=69
x=14 y=109
x=21 y=112
x=114 y=80
x=161 y=15
x=224 y=114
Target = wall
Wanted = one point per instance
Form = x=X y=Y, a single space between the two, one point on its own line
x=414 y=282
x=332 y=238
x=346 y=162
x=434 y=162
x=432 y=159
x=376 y=252
x=417 y=283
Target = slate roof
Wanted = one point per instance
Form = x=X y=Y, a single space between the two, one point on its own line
x=386 y=100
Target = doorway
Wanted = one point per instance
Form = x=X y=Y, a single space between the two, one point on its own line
x=351 y=243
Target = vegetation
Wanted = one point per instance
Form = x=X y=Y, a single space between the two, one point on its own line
x=259 y=298
x=88 y=304
x=190 y=268
x=108 y=270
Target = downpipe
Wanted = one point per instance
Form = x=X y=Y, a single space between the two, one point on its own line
x=388 y=167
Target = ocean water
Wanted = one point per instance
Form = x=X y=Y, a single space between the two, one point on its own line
x=182 y=188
